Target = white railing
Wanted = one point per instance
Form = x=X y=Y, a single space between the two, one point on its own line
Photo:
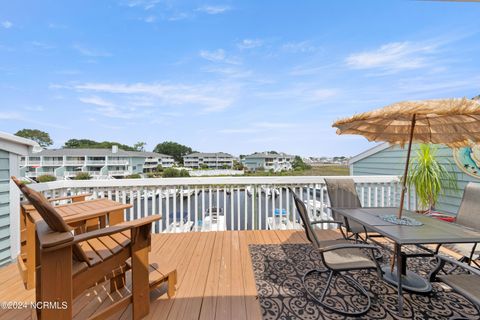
x=118 y=162
x=247 y=203
x=52 y=163
x=118 y=172
x=96 y=162
x=75 y=162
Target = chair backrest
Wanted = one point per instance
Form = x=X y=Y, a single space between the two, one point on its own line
x=50 y=215
x=469 y=211
x=342 y=193
x=307 y=224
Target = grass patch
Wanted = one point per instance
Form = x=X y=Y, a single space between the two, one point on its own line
x=325 y=170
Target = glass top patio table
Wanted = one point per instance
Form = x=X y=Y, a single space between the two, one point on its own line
x=432 y=231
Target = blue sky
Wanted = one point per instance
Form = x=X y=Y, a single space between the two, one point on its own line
x=239 y=76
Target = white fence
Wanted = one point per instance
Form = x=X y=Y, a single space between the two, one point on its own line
x=246 y=203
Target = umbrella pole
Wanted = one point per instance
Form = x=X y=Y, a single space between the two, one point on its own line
x=405 y=173
x=404 y=184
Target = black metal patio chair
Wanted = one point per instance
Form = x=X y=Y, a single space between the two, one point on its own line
x=338 y=256
x=468 y=215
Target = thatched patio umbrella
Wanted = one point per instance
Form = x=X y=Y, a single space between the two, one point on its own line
x=453 y=122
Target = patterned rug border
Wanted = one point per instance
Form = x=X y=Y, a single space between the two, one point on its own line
x=278 y=268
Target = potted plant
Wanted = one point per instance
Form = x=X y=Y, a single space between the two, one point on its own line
x=430 y=178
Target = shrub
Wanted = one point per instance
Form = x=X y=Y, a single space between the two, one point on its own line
x=152 y=174
x=46 y=178
x=83 y=176
x=133 y=176
x=159 y=168
x=204 y=166
x=174 y=173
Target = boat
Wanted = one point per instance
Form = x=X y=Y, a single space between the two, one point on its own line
x=318 y=211
x=280 y=221
x=172 y=192
x=269 y=191
x=179 y=224
x=214 y=220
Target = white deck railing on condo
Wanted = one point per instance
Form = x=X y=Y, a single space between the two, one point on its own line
x=248 y=203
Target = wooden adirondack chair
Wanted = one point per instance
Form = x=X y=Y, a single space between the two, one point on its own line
x=68 y=264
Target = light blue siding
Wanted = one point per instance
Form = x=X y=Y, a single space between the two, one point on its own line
x=4 y=208
x=391 y=161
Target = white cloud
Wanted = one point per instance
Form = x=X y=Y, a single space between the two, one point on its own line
x=299 y=47
x=210 y=97
x=7 y=24
x=150 y=19
x=302 y=92
x=214 y=56
x=273 y=125
x=98 y=101
x=10 y=116
x=42 y=45
x=218 y=55
x=214 y=9
x=250 y=43
x=145 y=4
x=393 y=57
x=35 y=108
x=90 y=52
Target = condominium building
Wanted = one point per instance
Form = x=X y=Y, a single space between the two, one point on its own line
x=154 y=159
x=268 y=161
x=99 y=163
x=217 y=160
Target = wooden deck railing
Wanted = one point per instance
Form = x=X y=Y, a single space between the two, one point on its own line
x=247 y=203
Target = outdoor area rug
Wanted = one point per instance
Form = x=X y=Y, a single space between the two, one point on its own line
x=278 y=272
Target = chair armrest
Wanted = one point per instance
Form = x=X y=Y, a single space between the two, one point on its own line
x=49 y=240
x=441 y=260
x=326 y=221
x=128 y=225
x=349 y=246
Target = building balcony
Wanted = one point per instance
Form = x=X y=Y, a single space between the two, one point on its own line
x=74 y=162
x=52 y=163
x=117 y=162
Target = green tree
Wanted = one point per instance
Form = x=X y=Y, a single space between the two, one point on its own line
x=86 y=143
x=176 y=150
x=159 y=168
x=41 y=137
x=139 y=146
x=204 y=166
x=298 y=164
x=237 y=165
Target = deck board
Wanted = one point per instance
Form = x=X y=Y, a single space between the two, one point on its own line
x=215 y=277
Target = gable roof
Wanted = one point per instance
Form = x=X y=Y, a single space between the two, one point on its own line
x=209 y=154
x=15 y=144
x=268 y=155
x=369 y=152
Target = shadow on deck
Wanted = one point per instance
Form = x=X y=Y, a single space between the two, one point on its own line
x=215 y=278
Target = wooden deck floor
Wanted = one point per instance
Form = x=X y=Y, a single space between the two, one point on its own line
x=215 y=277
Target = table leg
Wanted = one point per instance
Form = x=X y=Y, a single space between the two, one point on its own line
x=398 y=249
